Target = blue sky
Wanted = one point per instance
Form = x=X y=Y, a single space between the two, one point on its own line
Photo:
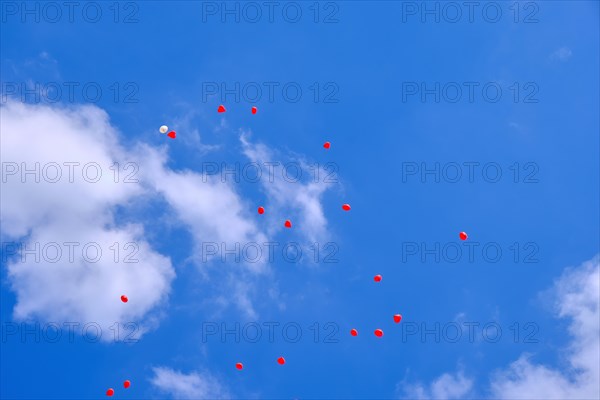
x=360 y=66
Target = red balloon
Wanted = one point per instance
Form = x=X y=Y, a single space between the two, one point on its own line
x=254 y=110
x=221 y=109
x=397 y=318
x=126 y=384
x=327 y=145
x=378 y=332
x=124 y=299
x=239 y=366
x=463 y=235
x=281 y=360
x=172 y=134
x=288 y=223
x=261 y=210
x=346 y=207
x=110 y=392
x=377 y=278
x=354 y=332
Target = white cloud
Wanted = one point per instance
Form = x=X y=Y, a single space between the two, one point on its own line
x=194 y=385
x=44 y=135
x=562 y=54
x=74 y=210
x=211 y=209
x=577 y=296
x=77 y=210
x=218 y=218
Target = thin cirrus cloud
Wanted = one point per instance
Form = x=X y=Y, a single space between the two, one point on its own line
x=446 y=386
x=562 y=54
x=576 y=296
x=302 y=198
x=194 y=385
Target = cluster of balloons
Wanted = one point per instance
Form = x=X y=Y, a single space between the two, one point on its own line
x=163 y=129
x=221 y=109
x=288 y=224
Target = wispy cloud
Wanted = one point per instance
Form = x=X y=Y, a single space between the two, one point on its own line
x=562 y=54
x=189 y=133
x=447 y=386
x=44 y=67
x=195 y=385
x=301 y=198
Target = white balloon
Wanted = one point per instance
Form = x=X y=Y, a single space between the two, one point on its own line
x=164 y=129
